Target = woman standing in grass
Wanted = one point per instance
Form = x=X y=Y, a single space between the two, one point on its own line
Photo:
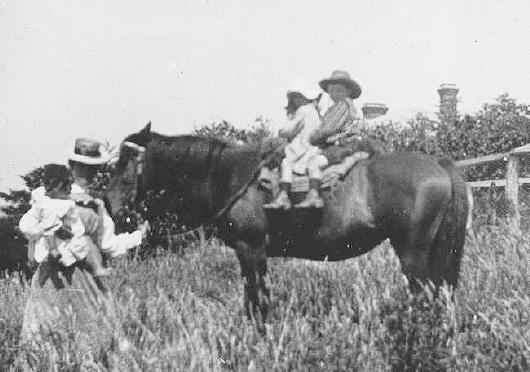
x=70 y=305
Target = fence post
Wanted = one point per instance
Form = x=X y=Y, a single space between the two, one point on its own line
x=512 y=190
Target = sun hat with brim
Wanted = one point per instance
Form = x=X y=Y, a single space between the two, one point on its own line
x=90 y=152
x=342 y=77
x=301 y=86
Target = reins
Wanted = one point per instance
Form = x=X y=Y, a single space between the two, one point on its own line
x=140 y=158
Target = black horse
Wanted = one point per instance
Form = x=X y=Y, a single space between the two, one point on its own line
x=419 y=203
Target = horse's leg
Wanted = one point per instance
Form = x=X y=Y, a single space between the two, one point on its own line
x=414 y=263
x=414 y=245
x=253 y=261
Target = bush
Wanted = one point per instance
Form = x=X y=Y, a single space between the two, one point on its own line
x=225 y=131
x=496 y=128
x=13 y=245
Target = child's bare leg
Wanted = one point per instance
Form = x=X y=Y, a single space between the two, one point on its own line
x=95 y=261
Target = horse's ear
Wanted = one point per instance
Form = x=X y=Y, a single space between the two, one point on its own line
x=147 y=129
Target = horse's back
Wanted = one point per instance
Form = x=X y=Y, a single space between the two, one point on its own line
x=404 y=169
x=382 y=196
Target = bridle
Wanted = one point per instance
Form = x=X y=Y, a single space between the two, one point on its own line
x=139 y=171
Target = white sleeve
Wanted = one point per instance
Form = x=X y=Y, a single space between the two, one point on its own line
x=291 y=129
x=30 y=225
x=116 y=245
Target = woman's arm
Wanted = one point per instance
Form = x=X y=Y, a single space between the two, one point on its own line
x=110 y=242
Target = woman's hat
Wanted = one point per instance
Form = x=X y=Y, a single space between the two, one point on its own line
x=301 y=86
x=90 y=152
x=342 y=77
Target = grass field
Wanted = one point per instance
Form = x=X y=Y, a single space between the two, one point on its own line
x=185 y=312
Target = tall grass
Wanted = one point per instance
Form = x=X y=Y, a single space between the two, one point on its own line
x=184 y=312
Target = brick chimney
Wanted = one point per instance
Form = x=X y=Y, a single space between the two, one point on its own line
x=374 y=110
x=448 y=112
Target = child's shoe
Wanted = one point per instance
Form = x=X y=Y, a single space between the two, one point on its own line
x=281 y=202
x=312 y=200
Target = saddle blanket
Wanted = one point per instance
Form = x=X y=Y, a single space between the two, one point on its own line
x=269 y=179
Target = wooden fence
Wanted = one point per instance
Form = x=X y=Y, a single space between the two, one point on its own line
x=510 y=183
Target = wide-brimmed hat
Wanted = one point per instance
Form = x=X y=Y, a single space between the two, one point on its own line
x=342 y=77
x=90 y=152
x=301 y=86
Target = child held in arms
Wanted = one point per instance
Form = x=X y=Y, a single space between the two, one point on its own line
x=55 y=226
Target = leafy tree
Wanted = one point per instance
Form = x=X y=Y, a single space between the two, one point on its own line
x=417 y=134
x=223 y=130
x=496 y=128
x=13 y=245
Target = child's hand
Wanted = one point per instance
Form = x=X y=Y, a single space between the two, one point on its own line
x=145 y=229
x=81 y=198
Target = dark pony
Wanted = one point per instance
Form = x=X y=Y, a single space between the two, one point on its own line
x=419 y=203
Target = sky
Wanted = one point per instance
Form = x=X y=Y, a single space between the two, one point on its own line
x=103 y=69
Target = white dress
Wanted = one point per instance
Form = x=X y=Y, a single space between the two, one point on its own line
x=299 y=152
x=41 y=222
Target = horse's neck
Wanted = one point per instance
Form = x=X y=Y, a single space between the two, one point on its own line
x=229 y=167
x=243 y=162
x=205 y=182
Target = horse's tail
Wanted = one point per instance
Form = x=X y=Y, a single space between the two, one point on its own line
x=450 y=238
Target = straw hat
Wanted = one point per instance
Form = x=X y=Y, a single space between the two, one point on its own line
x=342 y=77
x=90 y=152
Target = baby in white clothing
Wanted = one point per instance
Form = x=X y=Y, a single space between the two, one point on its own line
x=56 y=226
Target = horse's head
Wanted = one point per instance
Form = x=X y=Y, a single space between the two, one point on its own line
x=127 y=181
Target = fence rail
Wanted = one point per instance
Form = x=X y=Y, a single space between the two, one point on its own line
x=482 y=159
x=511 y=182
x=495 y=183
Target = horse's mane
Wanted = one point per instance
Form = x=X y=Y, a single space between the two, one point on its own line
x=189 y=151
